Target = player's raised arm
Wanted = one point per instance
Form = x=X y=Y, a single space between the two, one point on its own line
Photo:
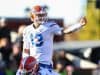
x=82 y=22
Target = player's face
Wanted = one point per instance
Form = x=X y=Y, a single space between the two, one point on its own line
x=40 y=18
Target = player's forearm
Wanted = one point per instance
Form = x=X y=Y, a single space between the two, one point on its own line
x=26 y=50
x=73 y=28
x=26 y=53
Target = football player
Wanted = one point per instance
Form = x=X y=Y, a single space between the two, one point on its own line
x=38 y=39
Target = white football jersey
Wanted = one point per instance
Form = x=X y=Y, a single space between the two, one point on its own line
x=40 y=41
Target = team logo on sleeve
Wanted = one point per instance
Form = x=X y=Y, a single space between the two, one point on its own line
x=36 y=39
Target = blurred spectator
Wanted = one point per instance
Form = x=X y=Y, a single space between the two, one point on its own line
x=95 y=55
x=5 y=43
x=15 y=55
x=11 y=68
x=62 y=62
x=17 y=46
x=13 y=35
x=69 y=70
x=20 y=36
x=4 y=31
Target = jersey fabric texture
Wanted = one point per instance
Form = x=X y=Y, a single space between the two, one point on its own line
x=40 y=41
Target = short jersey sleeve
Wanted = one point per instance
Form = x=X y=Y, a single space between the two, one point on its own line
x=25 y=39
x=56 y=29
